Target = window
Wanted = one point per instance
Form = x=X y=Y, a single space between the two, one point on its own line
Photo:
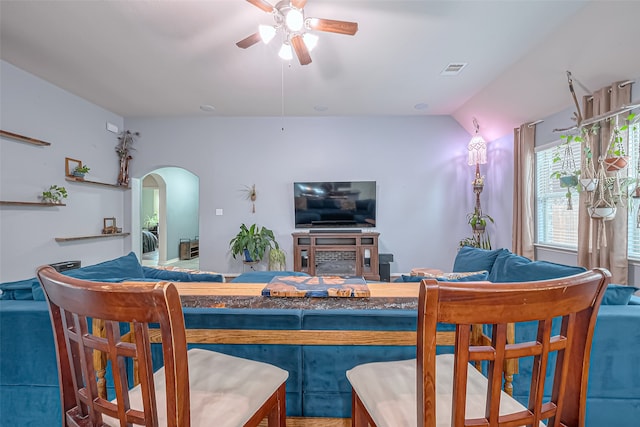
x=556 y=225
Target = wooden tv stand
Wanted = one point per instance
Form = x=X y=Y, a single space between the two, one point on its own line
x=336 y=253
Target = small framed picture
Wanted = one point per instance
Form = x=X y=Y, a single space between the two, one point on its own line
x=70 y=165
x=109 y=226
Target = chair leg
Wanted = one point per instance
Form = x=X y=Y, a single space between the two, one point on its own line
x=359 y=415
x=278 y=415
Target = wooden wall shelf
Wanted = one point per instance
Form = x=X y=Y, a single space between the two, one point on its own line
x=8 y=203
x=104 y=184
x=23 y=138
x=95 y=236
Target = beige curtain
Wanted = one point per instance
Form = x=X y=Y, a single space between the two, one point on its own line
x=523 y=190
x=592 y=234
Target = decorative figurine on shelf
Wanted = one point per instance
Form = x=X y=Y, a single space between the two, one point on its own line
x=126 y=138
x=110 y=226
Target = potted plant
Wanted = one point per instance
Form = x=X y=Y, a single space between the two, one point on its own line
x=569 y=174
x=481 y=241
x=252 y=242
x=277 y=258
x=588 y=180
x=80 y=171
x=478 y=221
x=151 y=222
x=617 y=158
x=54 y=194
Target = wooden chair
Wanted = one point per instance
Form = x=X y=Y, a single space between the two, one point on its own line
x=196 y=386
x=450 y=392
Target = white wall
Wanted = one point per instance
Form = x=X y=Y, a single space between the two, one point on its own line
x=77 y=129
x=419 y=163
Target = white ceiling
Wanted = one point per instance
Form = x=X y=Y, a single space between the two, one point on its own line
x=166 y=58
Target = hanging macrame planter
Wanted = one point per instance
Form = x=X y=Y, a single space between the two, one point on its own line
x=617 y=158
x=588 y=180
x=568 y=177
x=603 y=205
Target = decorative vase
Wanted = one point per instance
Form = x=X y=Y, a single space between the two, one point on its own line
x=604 y=213
x=78 y=175
x=247 y=256
x=589 y=184
x=616 y=163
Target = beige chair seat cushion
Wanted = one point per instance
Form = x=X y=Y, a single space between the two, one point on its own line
x=388 y=392
x=224 y=390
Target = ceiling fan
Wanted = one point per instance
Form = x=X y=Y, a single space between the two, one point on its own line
x=289 y=17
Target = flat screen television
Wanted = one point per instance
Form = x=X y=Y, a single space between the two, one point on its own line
x=344 y=204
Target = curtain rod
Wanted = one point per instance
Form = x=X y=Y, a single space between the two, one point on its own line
x=602 y=117
x=532 y=124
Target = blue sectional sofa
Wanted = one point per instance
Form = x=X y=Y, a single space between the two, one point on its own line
x=317 y=385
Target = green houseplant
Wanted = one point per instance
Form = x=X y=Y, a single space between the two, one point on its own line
x=478 y=222
x=617 y=157
x=252 y=242
x=277 y=259
x=569 y=174
x=80 y=171
x=54 y=194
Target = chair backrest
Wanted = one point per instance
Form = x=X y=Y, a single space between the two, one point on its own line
x=573 y=300
x=73 y=304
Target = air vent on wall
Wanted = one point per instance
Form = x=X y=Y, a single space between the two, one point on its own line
x=453 y=69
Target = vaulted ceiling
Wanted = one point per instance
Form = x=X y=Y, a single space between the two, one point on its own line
x=167 y=58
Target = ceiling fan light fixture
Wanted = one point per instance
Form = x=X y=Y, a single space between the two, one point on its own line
x=285 y=52
x=294 y=20
x=267 y=33
x=310 y=40
x=309 y=23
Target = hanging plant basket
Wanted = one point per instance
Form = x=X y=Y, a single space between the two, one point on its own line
x=589 y=184
x=616 y=163
x=605 y=213
x=568 y=181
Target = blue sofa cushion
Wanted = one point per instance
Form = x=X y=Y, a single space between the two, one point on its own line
x=448 y=277
x=510 y=267
x=475 y=259
x=264 y=276
x=180 y=276
x=618 y=294
x=20 y=290
x=125 y=266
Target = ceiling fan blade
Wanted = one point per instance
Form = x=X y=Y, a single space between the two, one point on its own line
x=331 y=26
x=262 y=4
x=249 y=41
x=301 y=50
x=298 y=4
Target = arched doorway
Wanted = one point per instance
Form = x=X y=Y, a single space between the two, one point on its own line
x=169 y=209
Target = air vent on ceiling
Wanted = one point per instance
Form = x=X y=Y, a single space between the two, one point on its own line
x=453 y=69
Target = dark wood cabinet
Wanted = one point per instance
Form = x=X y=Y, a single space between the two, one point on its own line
x=336 y=254
x=189 y=248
